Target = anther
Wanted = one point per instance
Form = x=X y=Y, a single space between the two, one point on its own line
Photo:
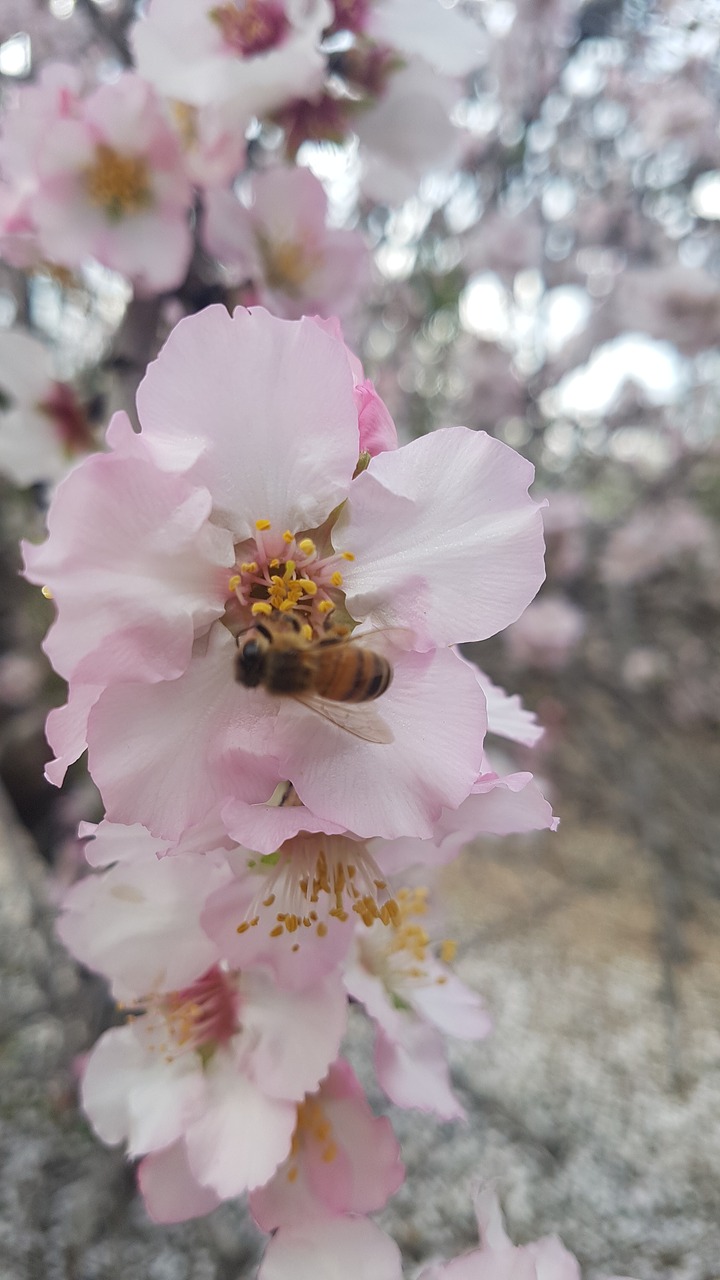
x=261 y=606
x=348 y=555
x=326 y=606
x=337 y=579
x=234 y=582
x=307 y=546
x=47 y=593
x=262 y=525
x=287 y=537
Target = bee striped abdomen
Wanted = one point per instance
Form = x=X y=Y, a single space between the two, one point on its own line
x=351 y=674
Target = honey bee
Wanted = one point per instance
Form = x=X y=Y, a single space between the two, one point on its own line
x=332 y=675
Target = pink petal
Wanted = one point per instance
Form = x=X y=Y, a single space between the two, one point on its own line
x=265 y=827
x=138 y=924
x=507 y=717
x=152 y=748
x=284 y=438
x=242 y=1137
x=327 y=1248
x=170 y=1191
x=295 y=1035
x=446 y=539
x=413 y=1071
x=135 y=568
x=435 y=710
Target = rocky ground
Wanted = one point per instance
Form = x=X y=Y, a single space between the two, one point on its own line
x=594 y=1108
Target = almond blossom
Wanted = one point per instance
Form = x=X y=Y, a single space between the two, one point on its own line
x=101 y=177
x=499 y=1259
x=413 y=997
x=325 y=1248
x=43 y=427
x=343 y=1159
x=279 y=248
x=256 y=54
x=207 y=1078
x=240 y=500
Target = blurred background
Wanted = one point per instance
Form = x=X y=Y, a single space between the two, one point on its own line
x=551 y=277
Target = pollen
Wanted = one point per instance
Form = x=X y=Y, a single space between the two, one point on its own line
x=119 y=184
x=306 y=631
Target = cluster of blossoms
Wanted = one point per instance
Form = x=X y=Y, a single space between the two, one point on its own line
x=115 y=172
x=258 y=862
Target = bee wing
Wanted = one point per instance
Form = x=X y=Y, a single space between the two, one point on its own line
x=358 y=719
x=381 y=639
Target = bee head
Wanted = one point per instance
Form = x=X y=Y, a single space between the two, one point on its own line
x=250 y=662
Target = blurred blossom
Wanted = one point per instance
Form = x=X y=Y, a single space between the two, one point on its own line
x=408 y=133
x=43 y=426
x=547 y=633
x=279 y=250
x=101 y=176
x=565 y=519
x=655 y=538
x=257 y=55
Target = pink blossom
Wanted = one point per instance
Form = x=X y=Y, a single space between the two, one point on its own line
x=280 y=247
x=343 y=1159
x=256 y=54
x=325 y=1248
x=104 y=179
x=210 y=1076
x=212 y=138
x=138 y=923
x=499 y=1259
x=449 y=41
x=655 y=538
x=43 y=428
x=547 y=634
x=408 y=132
x=235 y=474
x=414 y=999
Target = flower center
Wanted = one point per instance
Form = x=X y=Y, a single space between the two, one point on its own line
x=287 y=265
x=199 y=1018
x=290 y=575
x=69 y=420
x=315 y=880
x=117 y=183
x=255 y=27
x=405 y=953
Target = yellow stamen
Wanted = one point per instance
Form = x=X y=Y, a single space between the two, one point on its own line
x=249 y=566
x=336 y=579
x=307 y=546
x=306 y=631
x=261 y=606
x=448 y=951
x=348 y=555
x=234 y=582
x=326 y=606
x=119 y=184
x=309 y=588
x=262 y=525
x=47 y=593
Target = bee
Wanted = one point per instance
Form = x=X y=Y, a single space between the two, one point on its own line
x=332 y=675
